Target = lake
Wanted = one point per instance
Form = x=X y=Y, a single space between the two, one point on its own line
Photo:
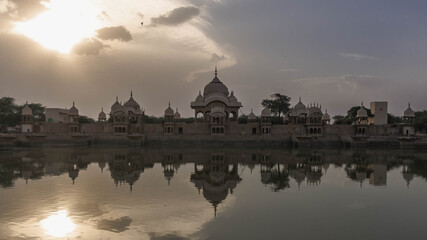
x=212 y=193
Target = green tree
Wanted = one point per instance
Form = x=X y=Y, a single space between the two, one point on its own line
x=9 y=115
x=420 y=121
x=278 y=105
x=393 y=119
x=243 y=119
x=85 y=119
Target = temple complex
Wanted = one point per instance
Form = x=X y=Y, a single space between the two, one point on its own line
x=216 y=115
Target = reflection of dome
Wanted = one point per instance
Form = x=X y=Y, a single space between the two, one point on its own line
x=215 y=86
x=74 y=111
x=266 y=112
x=408 y=176
x=26 y=110
x=409 y=112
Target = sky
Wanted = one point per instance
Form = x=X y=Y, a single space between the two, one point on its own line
x=335 y=53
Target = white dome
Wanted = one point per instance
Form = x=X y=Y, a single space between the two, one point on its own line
x=299 y=108
x=27 y=111
x=409 y=112
x=266 y=112
x=169 y=111
x=199 y=98
x=362 y=113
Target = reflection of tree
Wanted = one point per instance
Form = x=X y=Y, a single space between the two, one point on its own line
x=279 y=179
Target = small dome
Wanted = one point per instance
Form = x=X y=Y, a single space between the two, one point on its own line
x=199 y=98
x=409 y=112
x=251 y=116
x=232 y=98
x=300 y=107
x=102 y=115
x=326 y=116
x=177 y=114
x=169 y=111
x=313 y=109
x=116 y=105
x=27 y=111
x=215 y=86
x=73 y=111
x=266 y=112
x=131 y=103
x=362 y=113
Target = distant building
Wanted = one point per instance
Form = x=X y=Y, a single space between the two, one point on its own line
x=379 y=112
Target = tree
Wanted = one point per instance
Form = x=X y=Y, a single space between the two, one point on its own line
x=393 y=119
x=420 y=121
x=8 y=112
x=243 y=119
x=85 y=119
x=278 y=105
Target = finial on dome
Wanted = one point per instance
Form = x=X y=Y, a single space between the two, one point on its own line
x=409 y=104
x=252 y=110
x=73 y=103
x=117 y=98
x=361 y=104
x=200 y=92
x=300 y=99
x=216 y=71
x=131 y=93
x=102 y=109
x=169 y=103
x=326 y=111
x=26 y=102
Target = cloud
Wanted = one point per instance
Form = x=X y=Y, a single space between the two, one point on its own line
x=89 y=47
x=115 y=33
x=177 y=16
x=104 y=16
x=357 y=57
x=24 y=9
x=115 y=225
x=216 y=58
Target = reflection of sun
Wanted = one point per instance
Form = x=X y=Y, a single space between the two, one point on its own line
x=62 y=25
x=58 y=224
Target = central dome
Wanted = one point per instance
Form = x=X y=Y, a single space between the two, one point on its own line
x=215 y=86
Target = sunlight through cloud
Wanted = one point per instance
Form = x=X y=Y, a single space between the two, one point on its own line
x=63 y=25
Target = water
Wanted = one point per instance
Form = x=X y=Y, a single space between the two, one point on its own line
x=153 y=193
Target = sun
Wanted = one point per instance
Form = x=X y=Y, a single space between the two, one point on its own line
x=58 y=224
x=64 y=24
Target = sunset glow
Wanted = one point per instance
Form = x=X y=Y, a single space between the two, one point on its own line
x=62 y=25
x=58 y=224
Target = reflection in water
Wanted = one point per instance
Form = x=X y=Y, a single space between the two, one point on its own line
x=218 y=176
x=58 y=224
